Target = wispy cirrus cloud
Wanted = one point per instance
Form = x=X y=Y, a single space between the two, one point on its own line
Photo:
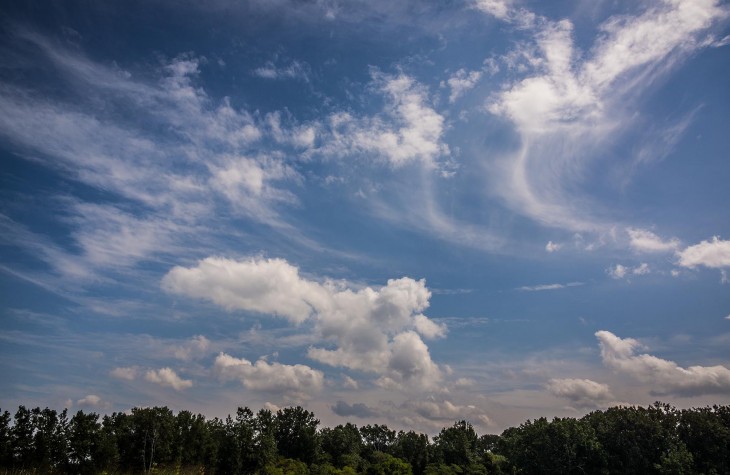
x=570 y=101
x=541 y=287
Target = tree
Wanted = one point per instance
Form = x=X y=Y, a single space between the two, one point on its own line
x=192 y=439
x=377 y=438
x=413 y=448
x=458 y=444
x=707 y=437
x=154 y=432
x=561 y=446
x=386 y=464
x=265 y=438
x=6 y=442
x=84 y=437
x=296 y=434
x=21 y=436
x=342 y=445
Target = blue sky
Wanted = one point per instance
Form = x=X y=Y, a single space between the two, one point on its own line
x=395 y=212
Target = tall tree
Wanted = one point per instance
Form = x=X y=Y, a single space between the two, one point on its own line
x=296 y=434
x=6 y=442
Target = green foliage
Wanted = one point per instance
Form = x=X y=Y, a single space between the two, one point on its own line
x=296 y=434
x=623 y=440
x=386 y=464
x=342 y=445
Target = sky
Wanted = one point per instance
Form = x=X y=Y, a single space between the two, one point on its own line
x=407 y=213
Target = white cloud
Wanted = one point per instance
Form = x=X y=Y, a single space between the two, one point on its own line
x=552 y=247
x=428 y=328
x=538 y=288
x=642 y=269
x=372 y=330
x=664 y=376
x=293 y=70
x=617 y=272
x=271 y=286
x=294 y=380
x=567 y=103
x=714 y=254
x=642 y=240
x=196 y=347
x=498 y=8
x=128 y=374
x=620 y=271
x=410 y=130
x=461 y=82
x=582 y=392
x=167 y=377
x=90 y=401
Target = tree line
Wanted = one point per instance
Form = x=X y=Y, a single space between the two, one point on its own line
x=658 y=439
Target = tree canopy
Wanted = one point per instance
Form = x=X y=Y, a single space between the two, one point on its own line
x=658 y=439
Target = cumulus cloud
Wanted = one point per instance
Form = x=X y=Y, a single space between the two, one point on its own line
x=127 y=374
x=167 y=377
x=374 y=330
x=664 y=376
x=295 y=380
x=714 y=254
x=341 y=408
x=642 y=240
x=269 y=286
x=582 y=392
x=90 y=401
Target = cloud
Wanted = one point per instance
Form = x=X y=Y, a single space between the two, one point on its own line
x=341 y=408
x=642 y=240
x=90 y=401
x=438 y=412
x=373 y=330
x=294 y=70
x=127 y=374
x=461 y=82
x=582 y=392
x=566 y=103
x=196 y=347
x=665 y=377
x=497 y=8
x=642 y=269
x=713 y=254
x=167 y=377
x=538 y=288
x=269 y=286
x=620 y=271
x=408 y=131
x=298 y=380
x=552 y=247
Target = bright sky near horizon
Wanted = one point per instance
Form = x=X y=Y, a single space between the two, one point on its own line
x=386 y=212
